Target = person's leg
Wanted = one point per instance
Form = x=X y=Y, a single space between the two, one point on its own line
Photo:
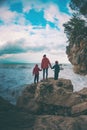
x=56 y=76
x=43 y=74
x=35 y=79
x=46 y=73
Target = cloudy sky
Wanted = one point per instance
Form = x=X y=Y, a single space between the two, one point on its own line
x=31 y=28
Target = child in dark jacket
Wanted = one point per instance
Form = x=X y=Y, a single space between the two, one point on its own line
x=56 y=68
x=36 y=70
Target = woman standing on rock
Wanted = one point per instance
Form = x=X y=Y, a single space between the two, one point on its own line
x=45 y=63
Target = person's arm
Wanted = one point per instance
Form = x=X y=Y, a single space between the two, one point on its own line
x=39 y=69
x=49 y=63
x=33 y=71
x=53 y=67
x=42 y=64
x=58 y=68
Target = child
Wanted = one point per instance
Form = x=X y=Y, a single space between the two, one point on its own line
x=36 y=70
x=56 y=68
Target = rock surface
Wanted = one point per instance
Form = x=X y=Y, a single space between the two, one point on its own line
x=12 y=118
x=53 y=97
x=77 y=55
x=56 y=105
x=46 y=96
x=48 y=105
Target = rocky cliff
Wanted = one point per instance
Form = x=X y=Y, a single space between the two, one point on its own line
x=77 y=55
x=55 y=105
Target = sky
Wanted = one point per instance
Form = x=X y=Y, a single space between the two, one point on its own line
x=31 y=28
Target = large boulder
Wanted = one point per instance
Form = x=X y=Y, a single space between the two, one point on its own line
x=47 y=97
x=54 y=97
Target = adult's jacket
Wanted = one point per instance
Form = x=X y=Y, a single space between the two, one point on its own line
x=45 y=63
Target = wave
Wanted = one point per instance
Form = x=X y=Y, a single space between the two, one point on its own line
x=15 y=66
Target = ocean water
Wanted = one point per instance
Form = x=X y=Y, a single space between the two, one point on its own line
x=14 y=77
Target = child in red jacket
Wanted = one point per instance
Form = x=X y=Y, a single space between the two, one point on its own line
x=36 y=70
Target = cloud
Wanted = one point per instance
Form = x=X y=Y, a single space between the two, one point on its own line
x=12 y=48
x=51 y=11
x=6 y=15
x=20 y=38
x=53 y=14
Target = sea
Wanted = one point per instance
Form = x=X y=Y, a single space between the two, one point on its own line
x=15 y=76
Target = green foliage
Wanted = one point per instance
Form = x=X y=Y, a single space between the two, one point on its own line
x=75 y=29
x=79 y=5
